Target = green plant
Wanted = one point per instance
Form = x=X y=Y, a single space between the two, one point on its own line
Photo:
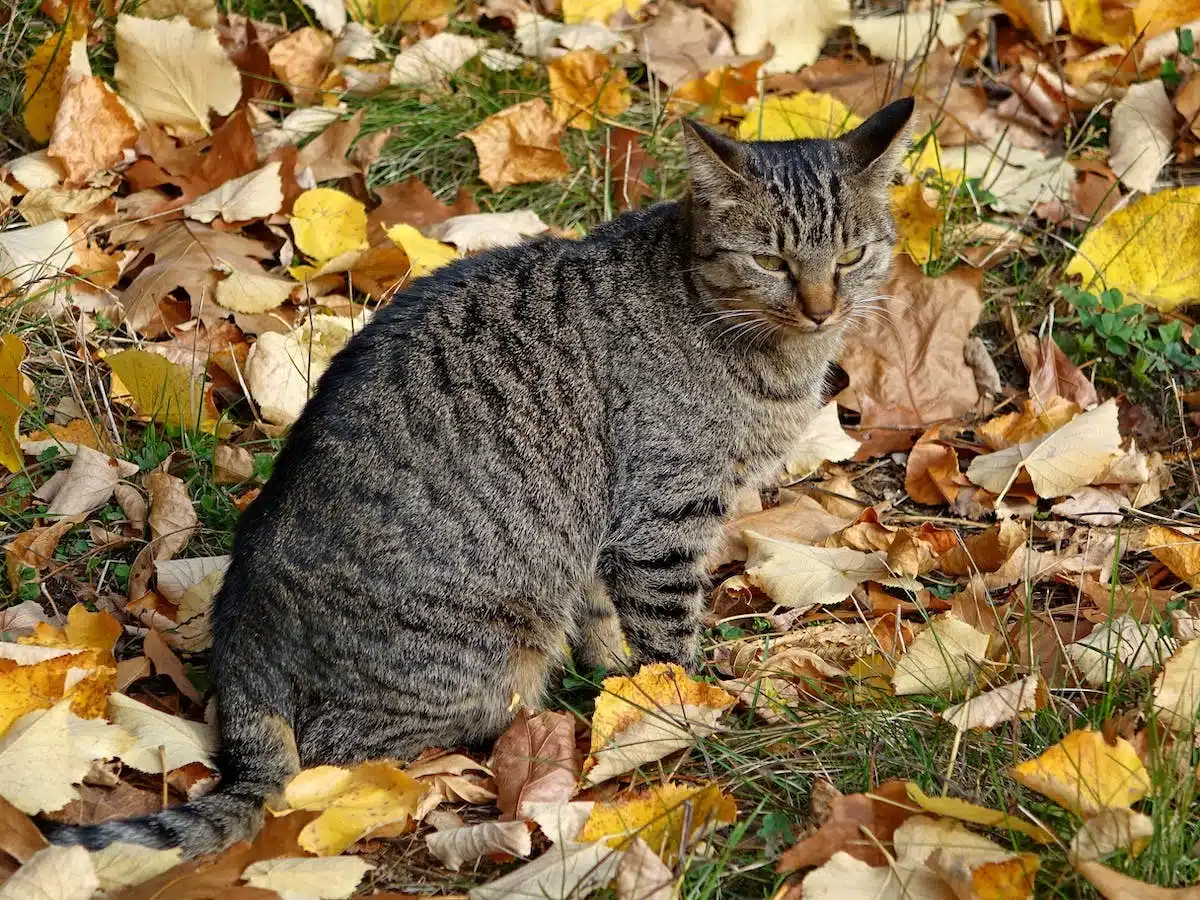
x=1168 y=72
x=1126 y=339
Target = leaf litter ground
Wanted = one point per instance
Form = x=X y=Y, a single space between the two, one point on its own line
x=952 y=653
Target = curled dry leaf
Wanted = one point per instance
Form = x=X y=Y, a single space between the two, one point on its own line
x=1086 y=774
x=535 y=762
x=1053 y=374
x=822 y=440
x=91 y=131
x=1141 y=135
x=641 y=875
x=173 y=519
x=1111 y=830
x=987 y=551
x=584 y=85
x=328 y=878
x=683 y=42
x=175 y=73
x=1018 y=700
x=518 y=145
x=642 y=719
x=945 y=658
x=282 y=369
x=456 y=847
x=433 y=60
x=87 y=485
x=1115 y=886
x=301 y=61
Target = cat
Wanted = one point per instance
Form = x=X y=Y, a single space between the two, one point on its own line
x=527 y=449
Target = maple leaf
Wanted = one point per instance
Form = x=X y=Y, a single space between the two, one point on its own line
x=584 y=85
x=1138 y=250
x=519 y=145
x=174 y=73
x=1086 y=774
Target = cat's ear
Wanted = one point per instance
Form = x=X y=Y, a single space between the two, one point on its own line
x=878 y=145
x=714 y=162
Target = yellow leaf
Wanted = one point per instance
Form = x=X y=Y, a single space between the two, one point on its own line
x=85 y=630
x=658 y=815
x=1177 y=551
x=386 y=12
x=576 y=11
x=161 y=389
x=1177 y=691
x=121 y=865
x=918 y=224
x=160 y=738
x=353 y=803
x=724 y=91
x=642 y=719
x=29 y=687
x=1153 y=17
x=795 y=35
x=1058 y=463
x=519 y=145
x=583 y=85
x=44 y=73
x=1085 y=774
x=1097 y=21
x=13 y=400
x=1148 y=250
x=334 y=877
x=175 y=73
x=327 y=223
x=250 y=292
x=803 y=115
x=944 y=659
x=954 y=808
x=424 y=254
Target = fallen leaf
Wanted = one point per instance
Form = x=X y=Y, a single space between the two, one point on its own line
x=31 y=684
x=535 y=762
x=918 y=224
x=424 y=254
x=800 y=577
x=19 y=837
x=584 y=85
x=910 y=362
x=101 y=804
x=301 y=60
x=1117 y=644
x=1085 y=774
x=970 y=863
x=576 y=11
x=803 y=115
x=1138 y=250
x=253 y=293
x=329 y=878
x=14 y=398
x=45 y=71
x=1115 y=886
x=1111 y=830
x=1177 y=690
x=87 y=485
x=352 y=802
x=29 y=256
x=666 y=816
x=986 y=551
x=642 y=719
x=945 y=658
x=173 y=519
x=1141 y=135
x=954 y=808
x=1098 y=22
x=435 y=59
x=160 y=738
x=174 y=73
x=486 y=231
x=201 y=13
x=330 y=13
x=641 y=875
x=1052 y=374
x=33 y=549
x=845 y=878
x=1018 y=700
x=822 y=440
x=55 y=873
x=121 y=865
x=327 y=223
x=1058 y=463
x=91 y=131
x=683 y=42
x=558 y=874
x=458 y=846
x=796 y=39
x=1177 y=551
x=253 y=196
x=519 y=145
x=859 y=825
x=910 y=34
x=724 y=91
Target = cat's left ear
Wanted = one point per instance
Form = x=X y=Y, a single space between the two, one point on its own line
x=714 y=163
x=878 y=145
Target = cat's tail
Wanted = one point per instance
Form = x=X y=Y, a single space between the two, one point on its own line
x=258 y=758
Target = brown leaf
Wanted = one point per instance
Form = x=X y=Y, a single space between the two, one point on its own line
x=172 y=519
x=326 y=153
x=301 y=61
x=1095 y=193
x=803 y=521
x=931 y=474
x=1115 y=886
x=910 y=362
x=167 y=663
x=535 y=761
x=197 y=168
x=1038 y=641
x=986 y=551
x=1052 y=374
x=878 y=813
x=518 y=145
x=19 y=837
x=412 y=203
x=34 y=549
x=102 y=804
x=682 y=42
x=628 y=162
x=91 y=131
x=585 y=85
x=232 y=465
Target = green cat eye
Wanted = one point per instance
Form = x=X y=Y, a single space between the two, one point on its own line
x=850 y=257
x=771 y=263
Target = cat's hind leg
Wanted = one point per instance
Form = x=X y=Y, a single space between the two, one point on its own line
x=600 y=643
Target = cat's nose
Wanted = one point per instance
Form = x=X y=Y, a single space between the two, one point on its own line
x=818 y=300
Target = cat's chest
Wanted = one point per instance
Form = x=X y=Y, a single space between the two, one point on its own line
x=769 y=433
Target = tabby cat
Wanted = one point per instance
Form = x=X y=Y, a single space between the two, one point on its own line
x=533 y=447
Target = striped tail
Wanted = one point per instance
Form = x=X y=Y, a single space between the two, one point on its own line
x=258 y=759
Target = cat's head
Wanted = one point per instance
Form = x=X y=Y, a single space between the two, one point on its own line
x=793 y=237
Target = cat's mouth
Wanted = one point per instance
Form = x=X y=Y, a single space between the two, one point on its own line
x=796 y=322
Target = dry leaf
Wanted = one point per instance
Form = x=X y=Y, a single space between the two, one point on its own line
x=822 y=440
x=1111 y=830
x=971 y=864
x=486 y=231
x=945 y=658
x=353 y=803
x=19 y=837
x=45 y=71
x=252 y=293
x=918 y=224
x=121 y=865
x=1085 y=774
x=37 y=254
x=683 y=42
x=641 y=875
x=803 y=115
x=847 y=878
x=1177 y=551
x=232 y=465
x=1144 y=250
x=301 y=60
x=796 y=39
x=435 y=59
x=1052 y=374
x=584 y=85
x=859 y=825
x=1141 y=135
x=330 y=878
x=954 y=808
x=424 y=254
x=159 y=737
x=535 y=762
x=172 y=519
x=560 y=873
x=666 y=816
x=910 y=34
x=1018 y=700
x=327 y=223
x=987 y=551
x=1061 y=462
x=88 y=484
x=1177 y=690
x=519 y=145
x=576 y=11
x=1115 y=886
x=174 y=73
x=642 y=719
x=1121 y=642
x=1107 y=24
x=458 y=846
x=14 y=397
x=723 y=92
x=253 y=196
x=91 y=131
x=282 y=369
x=55 y=873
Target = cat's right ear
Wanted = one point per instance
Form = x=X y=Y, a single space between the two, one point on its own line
x=714 y=163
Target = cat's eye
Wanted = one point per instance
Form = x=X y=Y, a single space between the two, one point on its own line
x=850 y=257
x=770 y=263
